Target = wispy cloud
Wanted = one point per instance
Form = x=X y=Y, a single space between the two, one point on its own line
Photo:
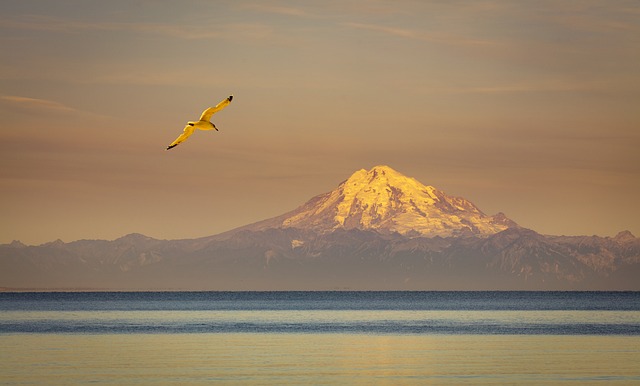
x=36 y=104
x=438 y=38
x=202 y=30
x=46 y=23
x=540 y=86
x=585 y=16
x=266 y=8
x=400 y=32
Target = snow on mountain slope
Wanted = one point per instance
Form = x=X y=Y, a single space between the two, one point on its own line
x=385 y=200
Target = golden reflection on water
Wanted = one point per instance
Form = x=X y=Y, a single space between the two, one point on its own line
x=305 y=317
x=246 y=358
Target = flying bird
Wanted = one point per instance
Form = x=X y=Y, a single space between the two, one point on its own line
x=203 y=124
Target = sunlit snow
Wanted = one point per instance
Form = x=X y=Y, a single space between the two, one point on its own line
x=386 y=200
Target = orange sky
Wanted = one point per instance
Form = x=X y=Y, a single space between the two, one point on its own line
x=529 y=108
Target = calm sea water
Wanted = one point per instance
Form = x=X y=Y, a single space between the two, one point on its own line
x=320 y=337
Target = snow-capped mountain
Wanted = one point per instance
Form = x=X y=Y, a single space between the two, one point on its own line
x=387 y=201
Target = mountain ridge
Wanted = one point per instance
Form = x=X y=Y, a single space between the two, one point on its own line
x=378 y=230
x=297 y=259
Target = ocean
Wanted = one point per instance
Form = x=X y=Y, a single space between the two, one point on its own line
x=321 y=338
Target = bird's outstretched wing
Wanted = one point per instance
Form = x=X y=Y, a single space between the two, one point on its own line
x=206 y=115
x=188 y=130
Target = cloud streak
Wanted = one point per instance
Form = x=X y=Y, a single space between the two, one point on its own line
x=51 y=24
x=439 y=38
x=546 y=86
x=36 y=104
x=280 y=10
x=203 y=30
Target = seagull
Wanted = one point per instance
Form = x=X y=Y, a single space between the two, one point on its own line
x=203 y=124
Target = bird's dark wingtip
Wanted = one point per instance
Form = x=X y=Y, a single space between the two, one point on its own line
x=170 y=147
x=230 y=98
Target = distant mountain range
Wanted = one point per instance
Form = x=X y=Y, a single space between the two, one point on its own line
x=378 y=230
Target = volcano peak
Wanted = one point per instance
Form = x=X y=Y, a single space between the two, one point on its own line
x=385 y=200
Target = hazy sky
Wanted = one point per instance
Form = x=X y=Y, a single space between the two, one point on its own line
x=531 y=108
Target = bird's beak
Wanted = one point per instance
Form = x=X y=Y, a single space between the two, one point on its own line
x=214 y=126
